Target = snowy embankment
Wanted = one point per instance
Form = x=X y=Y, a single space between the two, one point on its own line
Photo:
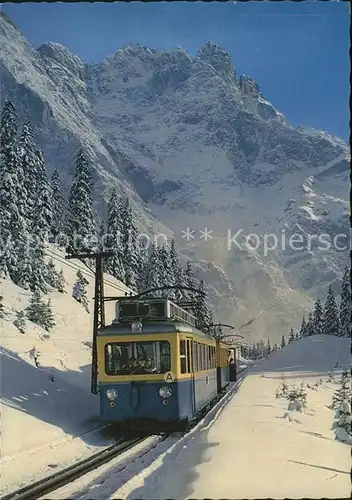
x=254 y=447
x=48 y=414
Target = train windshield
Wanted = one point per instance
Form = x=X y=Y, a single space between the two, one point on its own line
x=137 y=358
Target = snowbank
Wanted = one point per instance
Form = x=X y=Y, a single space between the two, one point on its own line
x=48 y=408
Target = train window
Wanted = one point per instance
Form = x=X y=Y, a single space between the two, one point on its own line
x=183 y=356
x=139 y=358
x=189 y=357
x=195 y=356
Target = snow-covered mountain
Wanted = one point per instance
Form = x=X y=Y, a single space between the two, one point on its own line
x=195 y=146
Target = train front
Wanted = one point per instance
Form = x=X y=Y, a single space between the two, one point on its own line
x=136 y=373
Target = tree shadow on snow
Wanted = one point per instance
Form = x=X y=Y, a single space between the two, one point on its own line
x=32 y=390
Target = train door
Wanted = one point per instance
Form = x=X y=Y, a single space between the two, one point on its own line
x=191 y=370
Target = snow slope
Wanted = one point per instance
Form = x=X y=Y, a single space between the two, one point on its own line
x=250 y=446
x=48 y=413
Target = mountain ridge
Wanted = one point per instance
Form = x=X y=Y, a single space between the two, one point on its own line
x=193 y=145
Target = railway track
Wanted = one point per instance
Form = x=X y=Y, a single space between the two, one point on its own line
x=70 y=474
x=65 y=476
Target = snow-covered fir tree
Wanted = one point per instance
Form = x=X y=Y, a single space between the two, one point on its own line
x=49 y=321
x=114 y=230
x=310 y=326
x=343 y=421
x=165 y=277
x=20 y=321
x=283 y=341
x=42 y=210
x=2 y=310
x=24 y=269
x=53 y=278
x=176 y=271
x=79 y=291
x=303 y=329
x=28 y=163
x=11 y=221
x=343 y=393
x=191 y=282
x=37 y=309
x=58 y=206
x=318 y=317
x=331 y=321
x=130 y=255
x=61 y=282
x=268 y=347
x=201 y=309
x=150 y=276
x=346 y=305
x=81 y=225
x=291 y=337
x=276 y=347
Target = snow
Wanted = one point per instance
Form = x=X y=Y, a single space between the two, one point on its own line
x=37 y=413
x=250 y=445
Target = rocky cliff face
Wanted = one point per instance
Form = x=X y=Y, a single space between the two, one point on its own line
x=195 y=146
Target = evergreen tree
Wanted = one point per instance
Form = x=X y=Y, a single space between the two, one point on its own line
x=268 y=347
x=57 y=205
x=276 y=347
x=201 y=309
x=52 y=276
x=36 y=311
x=343 y=393
x=48 y=322
x=254 y=354
x=283 y=341
x=309 y=326
x=291 y=337
x=61 y=282
x=345 y=305
x=11 y=222
x=81 y=226
x=24 y=269
x=79 y=290
x=28 y=163
x=303 y=329
x=165 y=278
x=20 y=321
x=130 y=258
x=190 y=281
x=331 y=321
x=261 y=348
x=176 y=272
x=42 y=211
x=114 y=237
x=2 y=310
x=318 y=318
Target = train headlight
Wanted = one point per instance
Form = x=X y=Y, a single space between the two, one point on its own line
x=165 y=392
x=111 y=394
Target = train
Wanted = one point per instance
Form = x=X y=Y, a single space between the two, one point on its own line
x=156 y=369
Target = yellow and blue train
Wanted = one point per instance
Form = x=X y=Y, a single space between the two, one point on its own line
x=156 y=367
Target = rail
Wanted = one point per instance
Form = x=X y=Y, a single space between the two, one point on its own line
x=65 y=476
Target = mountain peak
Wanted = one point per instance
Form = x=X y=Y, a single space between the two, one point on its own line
x=60 y=54
x=218 y=58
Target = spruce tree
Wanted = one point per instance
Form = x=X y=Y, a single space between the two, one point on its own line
x=201 y=309
x=80 y=225
x=176 y=271
x=283 y=341
x=191 y=282
x=25 y=265
x=2 y=310
x=11 y=221
x=28 y=163
x=114 y=241
x=310 y=325
x=42 y=210
x=291 y=337
x=20 y=321
x=52 y=276
x=79 y=290
x=36 y=311
x=318 y=318
x=58 y=206
x=345 y=305
x=303 y=329
x=268 y=347
x=165 y=278
x=130 y=257
x=343 y=393
x=61 y=282
x=331 y=321
x=48 y=320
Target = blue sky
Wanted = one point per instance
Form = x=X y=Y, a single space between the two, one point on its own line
x=298 y=52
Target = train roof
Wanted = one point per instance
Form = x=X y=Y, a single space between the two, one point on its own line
x=152 y=327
